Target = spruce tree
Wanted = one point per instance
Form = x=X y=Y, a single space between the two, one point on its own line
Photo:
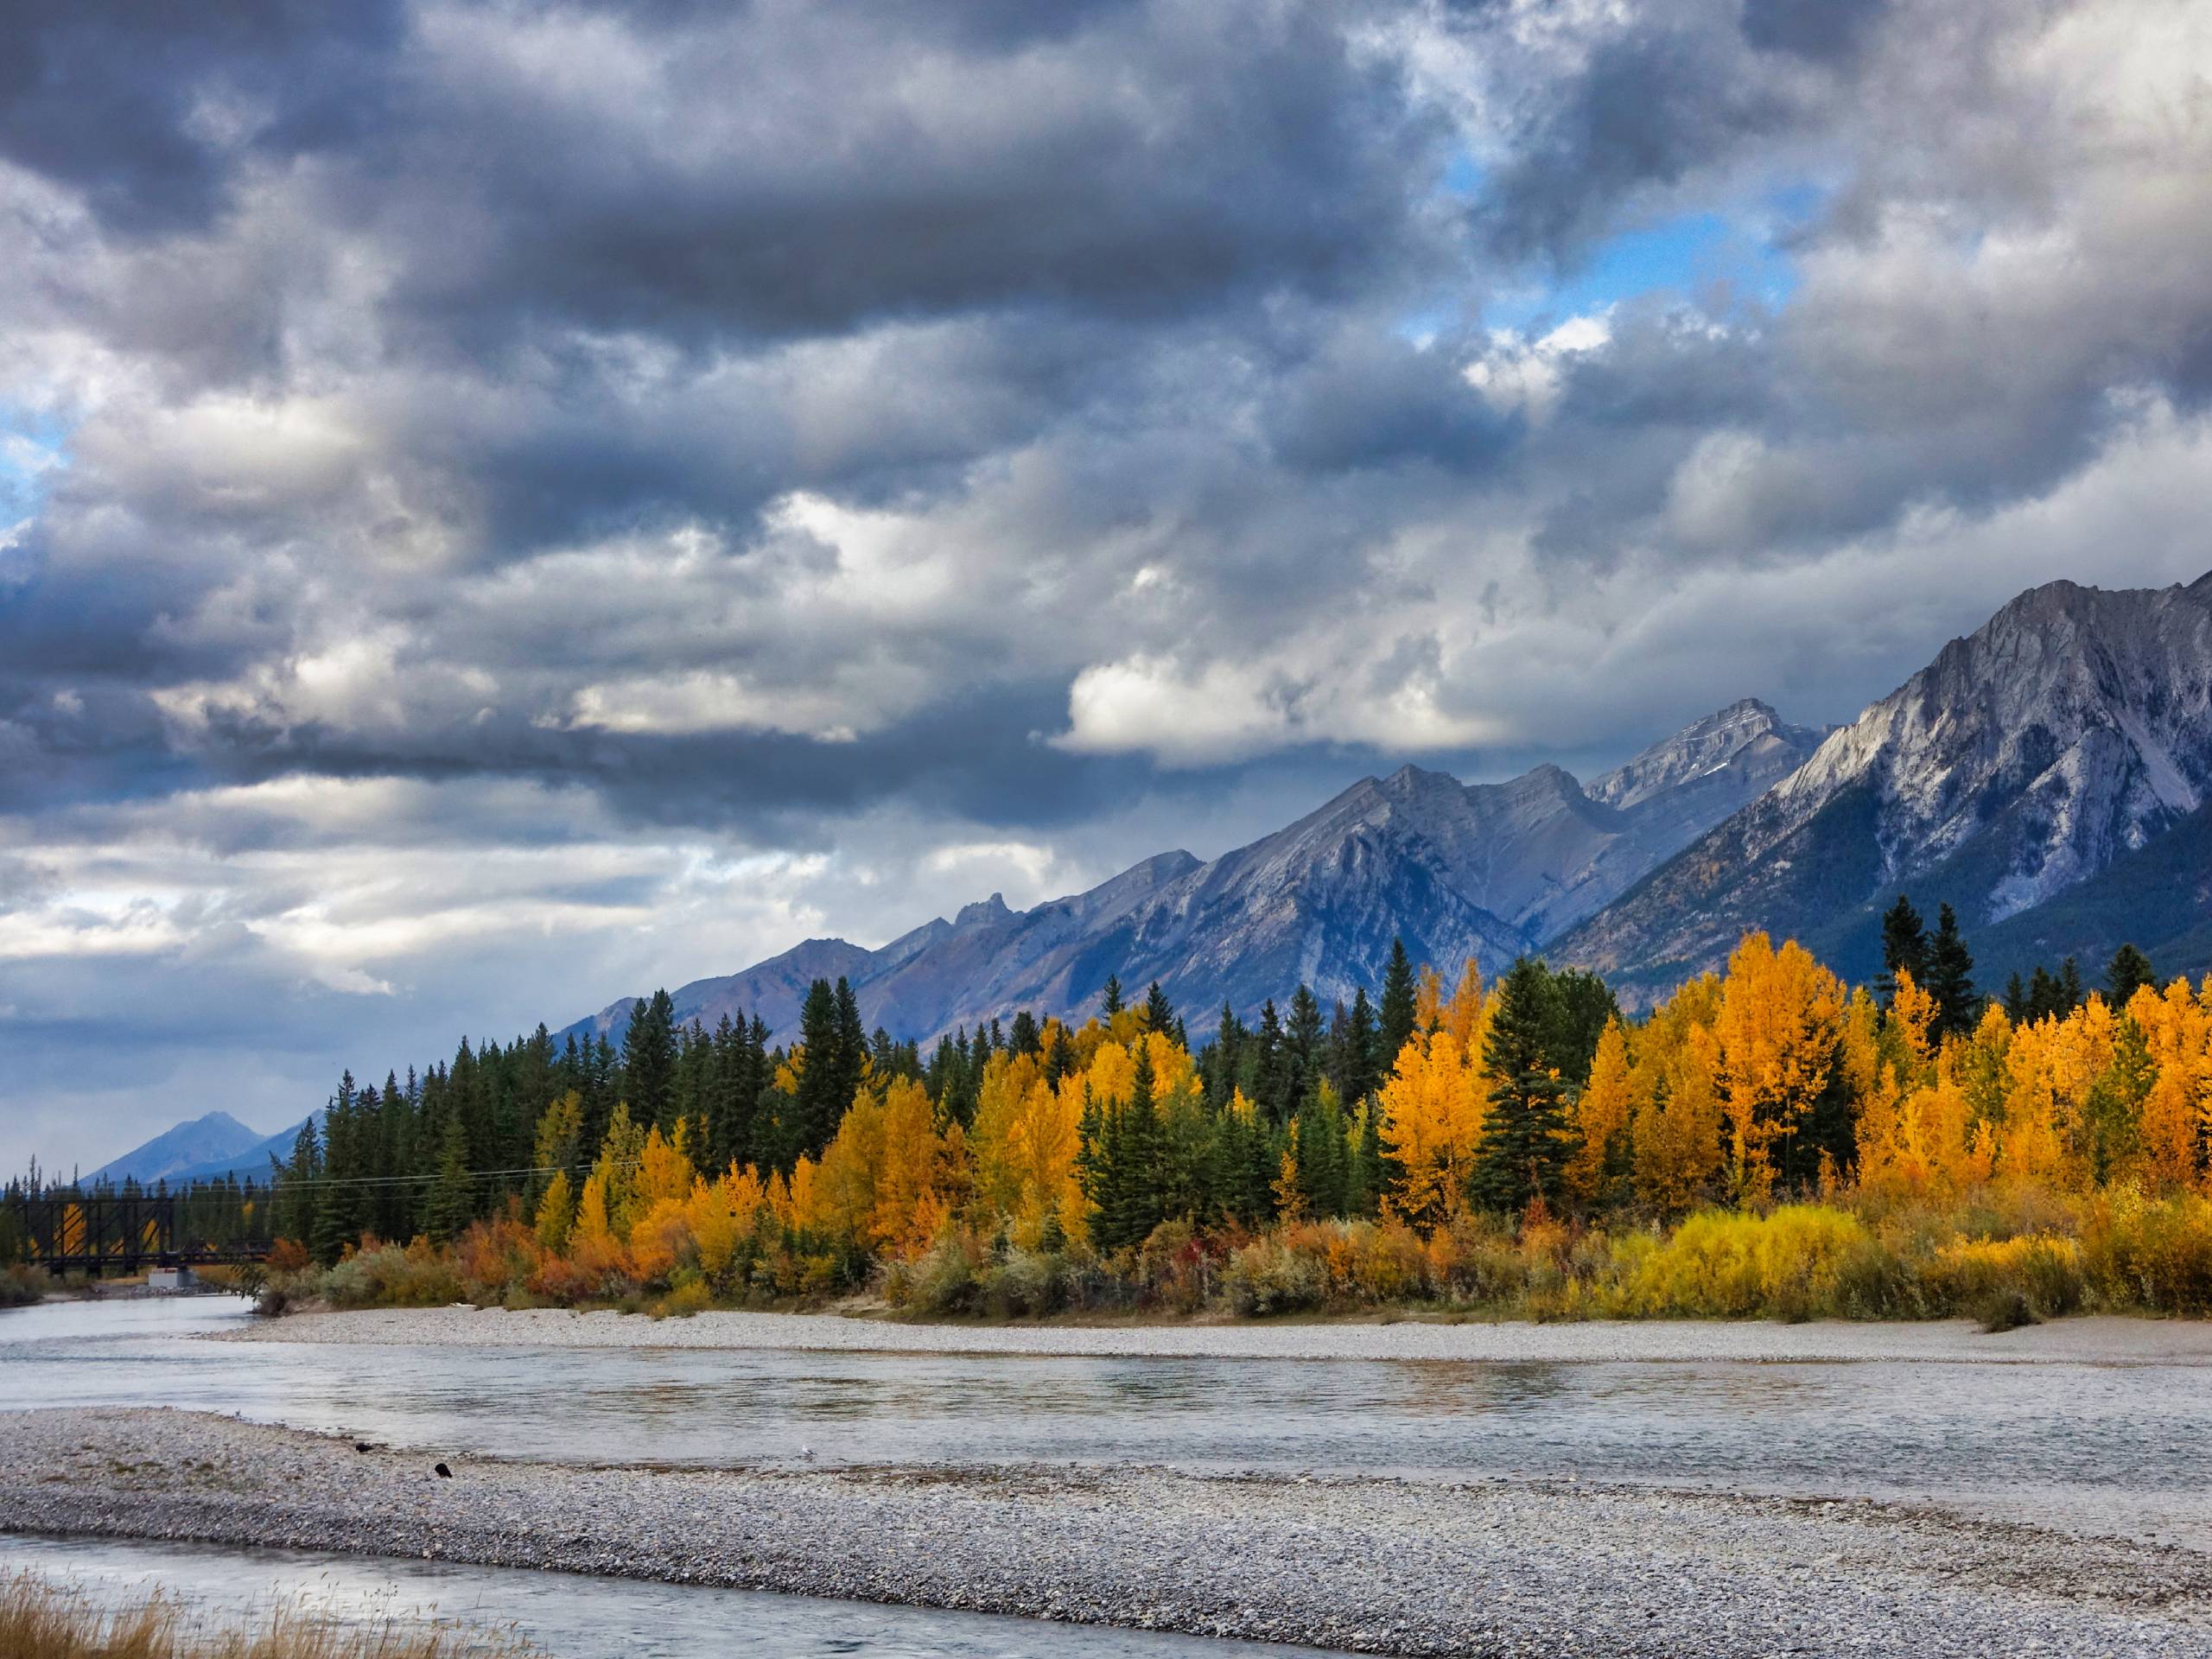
x=1525 y=1146
x=821 y=1100
x=298 y=1188
x=1950 y=977
x=1111 y=997
x=2070 y=994
x=2128 y=972
x=852 y=1050
x=1271 y=1089
x=1140 y=1185
x=452 y=1201
x=649 y=1056
x=2016 y=999
x=1159 y=1012
x=1904 y=948
x=1394 y=1018
x=1359 y=1068
x=1302 y=1042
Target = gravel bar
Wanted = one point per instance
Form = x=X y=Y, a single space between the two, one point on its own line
x=1491 y=1568
x=2083 y=1341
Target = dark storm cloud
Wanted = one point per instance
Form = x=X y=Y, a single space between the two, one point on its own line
x=1649 y=108
x=148 y=108
x=792 y=170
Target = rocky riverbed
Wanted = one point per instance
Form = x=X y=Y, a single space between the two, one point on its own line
x=1498 y=1567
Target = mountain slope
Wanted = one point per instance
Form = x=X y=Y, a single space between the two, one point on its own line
x=252 y=1164
x=2073 y=728
x=169 y=1154
x=1488 y=870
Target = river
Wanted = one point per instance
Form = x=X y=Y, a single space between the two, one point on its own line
x=2123 y=1449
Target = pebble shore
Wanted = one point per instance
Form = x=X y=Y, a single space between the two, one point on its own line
x=1495 y=1568
x=2074 y=1341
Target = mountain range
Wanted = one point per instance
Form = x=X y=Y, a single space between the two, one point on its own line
x=2049 y=775
x=1487 y=870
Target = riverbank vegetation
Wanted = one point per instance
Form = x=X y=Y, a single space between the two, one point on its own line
x=41 y=1621
x=1767 y=1142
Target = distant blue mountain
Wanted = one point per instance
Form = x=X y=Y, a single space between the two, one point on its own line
x=250 y=1163
x=216 y=1138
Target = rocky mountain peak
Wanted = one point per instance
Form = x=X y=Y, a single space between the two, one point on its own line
x=1703 y=746
x=2068 y=732
x=983 y=913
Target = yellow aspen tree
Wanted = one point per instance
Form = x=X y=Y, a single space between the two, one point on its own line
x=557 y=1213
x=1433 y=1108
x=910 y=1178
x=2177 y=1027
x=616 y=1169
x=1780 y=1027
x=1290 y=1202
x=1913 y=1016
x=1675 y=1131
x=1600 y=1119
x=1466 y=1015
x=592 y=1220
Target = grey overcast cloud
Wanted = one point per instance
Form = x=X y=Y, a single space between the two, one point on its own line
x=503 y=506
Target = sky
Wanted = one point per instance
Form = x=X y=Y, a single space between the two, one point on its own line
x=503 y=507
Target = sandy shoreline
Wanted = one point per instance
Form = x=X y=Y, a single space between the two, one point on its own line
x=1491 y=1567
x=2083 y=1341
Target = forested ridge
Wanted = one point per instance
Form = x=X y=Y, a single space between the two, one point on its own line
x=1768 y=1139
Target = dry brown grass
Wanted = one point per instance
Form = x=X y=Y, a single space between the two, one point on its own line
x=39 y=1621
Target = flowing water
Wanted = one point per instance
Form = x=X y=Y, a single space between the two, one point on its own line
x=2118 y=1449
x=577 y=1617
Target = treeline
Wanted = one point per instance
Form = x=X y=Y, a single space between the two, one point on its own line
x=1386 y=1138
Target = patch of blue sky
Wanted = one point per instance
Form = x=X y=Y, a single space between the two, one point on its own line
x=32 y=448
x=1721 y=257
x=1712 y=258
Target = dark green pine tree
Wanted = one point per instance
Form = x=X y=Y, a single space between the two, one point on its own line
x=1950 y=977
x=2128 y=972
x=1303 y=1040
x=822 y=1100
x=1139 y=1187
x=1221 y=1062
x=1324 y=1158
x=451 y=1204
x=2016 y=999
x=1524 y=1148
x=648 y=1055
x=2044 y=993
x=298 y=1189
x=1270 y=1068
x=1022 y=1037
x=1359 y=1069
x=1159 y=1012
x=1394 y=1018
x=1582 y=1006
x=1905 y=948
x=852 y=1049
x=1111 y=997
x=2070 y=994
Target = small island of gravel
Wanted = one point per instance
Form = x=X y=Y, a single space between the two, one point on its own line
x=2076 y=1341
